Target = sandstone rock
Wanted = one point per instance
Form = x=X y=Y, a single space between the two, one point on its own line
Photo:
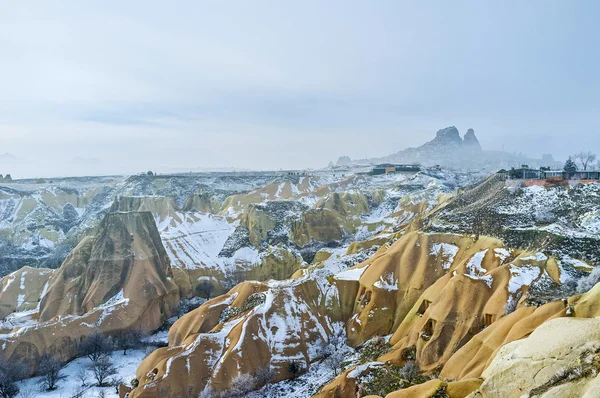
x=560 y=359
x=21 y=290
x=117 y=280
x=286 y=325
x=321 y=225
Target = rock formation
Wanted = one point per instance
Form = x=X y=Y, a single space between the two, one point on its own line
x=252 y=327
x=118 y=280
x=448 y=149
x=343 y=161
x=471 y=143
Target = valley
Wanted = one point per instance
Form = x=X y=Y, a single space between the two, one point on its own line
x=315 y=284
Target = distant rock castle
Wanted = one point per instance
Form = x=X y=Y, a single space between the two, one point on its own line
x=449 y=149
x=7 y=178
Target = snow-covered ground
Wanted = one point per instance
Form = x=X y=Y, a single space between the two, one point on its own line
x=71 y=385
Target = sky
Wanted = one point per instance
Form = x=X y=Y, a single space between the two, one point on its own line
x=118 y=87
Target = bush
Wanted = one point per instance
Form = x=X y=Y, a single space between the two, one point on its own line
x=373 y=349
x=254 y=300
x=294 y=368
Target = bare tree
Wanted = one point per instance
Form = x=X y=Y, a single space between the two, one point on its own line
x=82 y=376
x=205 y=289
x=103 y=369
x=50 y=369
x=95 y=346
x=129 y=340
x=585 y=158
x=410 y=371
x=10 y=373
x=335 y=351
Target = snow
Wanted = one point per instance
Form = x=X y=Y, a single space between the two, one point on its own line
x=476 y=271
x=387 y=283
x=502 y=254
x=20 y=300
x=118 y=298
x=446 y=252
x=536 y=257
x=351 y=274
x=576 y=263
x=522 y=276
x=195 y=239
x=356 y=372
x=9 y=280
x=126 y=366
x=23 y=280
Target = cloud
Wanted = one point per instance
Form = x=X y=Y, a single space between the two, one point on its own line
x=290 y=84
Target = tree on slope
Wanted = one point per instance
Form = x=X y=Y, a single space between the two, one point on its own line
x=95 y=346
x=50 y=369
x=129 y=340
x=205 y=289
x=103 y=369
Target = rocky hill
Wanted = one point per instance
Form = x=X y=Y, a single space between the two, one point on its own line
x=450 y=150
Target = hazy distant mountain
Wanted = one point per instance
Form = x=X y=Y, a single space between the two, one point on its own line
x=7 y=157
x=449 y=149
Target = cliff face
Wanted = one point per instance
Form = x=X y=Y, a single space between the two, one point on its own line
x=117 y=280
x=125 y=255
x=21 y=290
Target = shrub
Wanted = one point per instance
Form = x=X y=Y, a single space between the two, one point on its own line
x=373 y=349
x=294 y=368
x=254 y=300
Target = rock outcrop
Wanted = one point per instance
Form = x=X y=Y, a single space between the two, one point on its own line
x=118 y=280
x=561 y=358
x=471 y=143
x=343 y=161
x=21 y=290
x=448 y=149
x=252 y=327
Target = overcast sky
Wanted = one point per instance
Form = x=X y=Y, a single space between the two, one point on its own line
x=158 y=85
